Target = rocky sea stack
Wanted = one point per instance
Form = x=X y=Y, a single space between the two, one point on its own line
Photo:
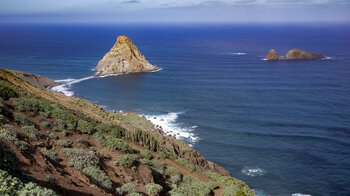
x=295 y=54
x=124 y=57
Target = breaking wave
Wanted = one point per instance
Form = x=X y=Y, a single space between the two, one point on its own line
x=169 y=125
x=253 y=171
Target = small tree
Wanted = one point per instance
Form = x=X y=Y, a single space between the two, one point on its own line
x=153 y=189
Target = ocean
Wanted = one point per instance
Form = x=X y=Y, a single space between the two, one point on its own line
x=282 y=127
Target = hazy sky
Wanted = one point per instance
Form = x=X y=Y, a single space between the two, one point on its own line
x=174 y=10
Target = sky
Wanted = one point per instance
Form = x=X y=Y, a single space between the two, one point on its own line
x=167 y=11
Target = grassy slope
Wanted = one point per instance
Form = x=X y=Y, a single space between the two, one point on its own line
x=38 y=159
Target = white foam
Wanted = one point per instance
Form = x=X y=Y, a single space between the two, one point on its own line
x=239 y=53
x=253 y=171
x=65 y=85
x=300 y=194
x=170 y=126
x=160 y=69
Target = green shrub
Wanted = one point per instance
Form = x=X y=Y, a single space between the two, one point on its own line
x=9 y=185
x=51 y=155
x=31 y=189
x=98 y=177
x=191 y=186
x=229 y=191
x=146 y=154
x=85 y=127
x=104 y=127
x=21 y=119
x=186 y=164
x=172 y=171
x=114 y=144
x=118 y=131
x=176 y=179
x=64 y=143
x=159 y=167
x=64 y=133
x=81 y=159
x=128 y=160
x=60 y=124
x=230 y=183
x=53 y=136
x=7 y=92
x=100 y=138
x=10 y=134
x=30 y=132
x=153 y=189
x=146 y=162
x=128 y=188
x=45 y=124
x=212 y=185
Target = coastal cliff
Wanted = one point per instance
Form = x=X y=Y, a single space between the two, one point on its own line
x=294 y=54
x=69 y=146
x=124 y=57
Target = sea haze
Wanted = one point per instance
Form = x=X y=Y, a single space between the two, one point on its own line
x=282 y=127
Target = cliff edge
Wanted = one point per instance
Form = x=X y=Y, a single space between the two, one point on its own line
x=124 y=57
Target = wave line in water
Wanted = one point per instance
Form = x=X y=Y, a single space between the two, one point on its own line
x=253 y=171
x=170 y=126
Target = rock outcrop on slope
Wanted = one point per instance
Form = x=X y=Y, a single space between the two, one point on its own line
x=295 y=54
x=37 y=80
x=124 y=57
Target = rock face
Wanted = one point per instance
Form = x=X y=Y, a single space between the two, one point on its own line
x=124 y=57
x=303 y=55
x=272 y=55
x=295 y=54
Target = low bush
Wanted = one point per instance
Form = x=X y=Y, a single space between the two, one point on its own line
x=186 y=164
x=128 y=160
x=114 y=144
x=53 y=136
x=51 y=155
x=45 y=124
x=30 y=132
x=128 y=188
x=64 y=143
x=85 y=127
x=191 y=186
x=230 y=184
x=10 y=134
x=153 y=189
x=10 y=185
x=7 y=92
x=176 y=179
x=21 y=119
x=98 y=177
x=32 y=189
x=212 y=185
x=146 y=154
x=146 y=162
x=100 y=138
x=172 y=171
x=81 y=159
x=158 y=166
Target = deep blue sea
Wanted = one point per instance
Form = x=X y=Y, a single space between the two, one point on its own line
x=282 y=127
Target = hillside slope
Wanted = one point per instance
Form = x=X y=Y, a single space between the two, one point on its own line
x=53 y=144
